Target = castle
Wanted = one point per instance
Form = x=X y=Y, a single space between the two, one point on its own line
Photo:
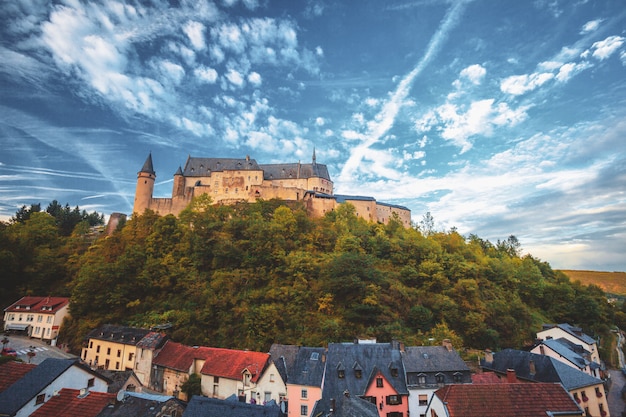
x=229 y=181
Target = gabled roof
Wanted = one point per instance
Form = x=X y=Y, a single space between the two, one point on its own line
x=202 y=167
x=561 y=347
x=179 y=357
x=294 y=171
x=352 y=406
x=203 y=407
x=69 y=403
x=486 y=378
x=308 y=368
x=119 y=379
x=44 y=305
x=546 y=369
x=574 y=331
x=22 y=391
x=152 y=341
x=229 y=363
x=118 y=334
x=284 y=357
x=12 y=371
x=427 y=359
x=497 y=400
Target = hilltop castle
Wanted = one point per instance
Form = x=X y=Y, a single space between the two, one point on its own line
x=229 y=181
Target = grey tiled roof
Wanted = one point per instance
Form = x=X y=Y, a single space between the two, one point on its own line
x=432 y=359
x=202 y=167
x=577 y=332
x=547 y=369
x=284 y=356
x=118 y=334
x=22 y=391
x=563 y=348
x=294 y=170
x=343 y=198
x=308 y=368
x=136 y=405
x=212 y=407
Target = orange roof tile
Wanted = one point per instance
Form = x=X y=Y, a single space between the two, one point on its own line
x=496 y=400
x=179 y=357
x=230 y=364
x=69 y=403
x=12 y=371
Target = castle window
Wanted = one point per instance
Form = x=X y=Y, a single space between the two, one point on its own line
x=236 y=190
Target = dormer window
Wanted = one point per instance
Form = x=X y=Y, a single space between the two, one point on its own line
x=394 y=372
x=341 y=374
x=358 y=373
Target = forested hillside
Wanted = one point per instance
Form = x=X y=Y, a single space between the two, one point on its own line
x=249 y=275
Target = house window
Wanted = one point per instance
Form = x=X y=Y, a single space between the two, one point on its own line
x=106 y=364
x=117 y=365
x=394 y=372
x=91 y=344
x=49 y=319
x=267 y=397
x=131 y=354
x=304 y=394
x=40 y=399
x=440 y=378
x=108 y=351
x=598 y=393
x=421 y=379
x=379 y=382
x=91 y=382
x=394 y=399
x=271 y=377
x=423 y=399
x=39 y=318
x=358 y=373
x=304 y=410
x=119 y=353
x=98 y=349
x=246 y=379
x=395 y=414
x=341 y=373
x=458 y=377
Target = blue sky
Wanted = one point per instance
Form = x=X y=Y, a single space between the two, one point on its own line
x=498 y=117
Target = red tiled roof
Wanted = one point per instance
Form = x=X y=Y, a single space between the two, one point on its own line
x=486 y=378
x=230 y=364
x=12 y=371
x=497 y=400
x=49 y=305
x=179 y=357
x=69 y=403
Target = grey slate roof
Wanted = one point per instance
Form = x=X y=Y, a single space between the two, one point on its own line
x=294 y=170
x=119 y=334
x=563 y=348
x=351 y=406
x=284 y=356
x=547 y=369
x=202 y=167
x=212 y=407
x=141 y=405
x=343 y=198
x=147 y=166
x=308 y=368
x=117 y=378
x=22 y=391
x=572 y=330
x=370 y=358
x=433 y=359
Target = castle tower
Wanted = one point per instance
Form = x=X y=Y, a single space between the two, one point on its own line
x=145 y=186
x=178 y=189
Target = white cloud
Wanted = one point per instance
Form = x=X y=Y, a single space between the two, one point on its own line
x=254 y=78
x=570 y=69
x=172 y=71
x=319 y=121
x=195 y=32
x=605 y=48
x=590 y=26
x=474 y=73
x=521 y=84
x=319 y=51
x=235 y=78
x=207 y=75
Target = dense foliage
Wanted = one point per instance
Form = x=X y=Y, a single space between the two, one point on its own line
x=248 y=275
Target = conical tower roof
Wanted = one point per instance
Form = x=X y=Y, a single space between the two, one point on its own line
x=147 y=166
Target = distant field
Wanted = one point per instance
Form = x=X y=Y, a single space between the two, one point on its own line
x=610 y=282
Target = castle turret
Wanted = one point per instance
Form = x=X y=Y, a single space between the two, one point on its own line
x=179 y=184
x=145 y=186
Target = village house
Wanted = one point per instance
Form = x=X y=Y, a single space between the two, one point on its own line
x=112 y=347
x=573 y=334
x=146 y=350
x=303 y=373
x=498 y=400
x=140 y=404
x=586 y=390
x=428 y=368
x=366 y=370
x=37 y=317
x=569 y=353
x=174 y=364
x=73 y=402
x=252 y=376
x=27 y=394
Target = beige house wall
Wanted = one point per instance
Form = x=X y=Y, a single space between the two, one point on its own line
x=596 y=403
x=556 y=333
x=120 y=356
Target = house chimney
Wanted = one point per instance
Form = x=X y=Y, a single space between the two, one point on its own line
x=511 y=378
x=447 y=344
x=488 y=356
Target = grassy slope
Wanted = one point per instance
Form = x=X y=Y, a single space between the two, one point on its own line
x=610 y=282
